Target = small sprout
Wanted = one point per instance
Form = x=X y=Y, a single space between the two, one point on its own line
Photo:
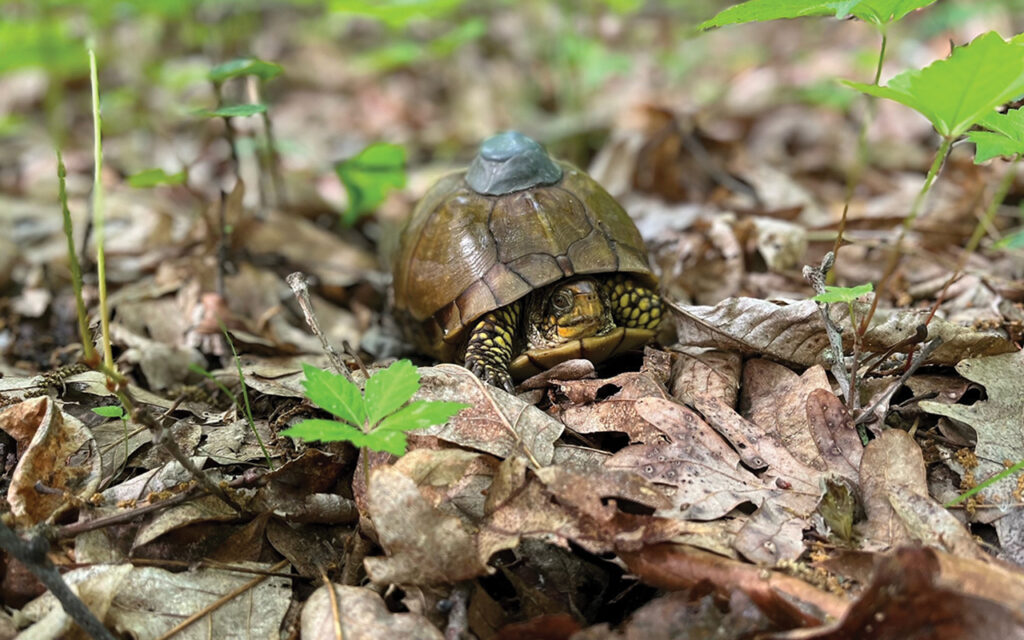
x=376 y=418
x=843 y=294
x=111 y=411
x=369 y=176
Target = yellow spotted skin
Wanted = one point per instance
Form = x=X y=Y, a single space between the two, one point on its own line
x=633 y=305
x=492 y=342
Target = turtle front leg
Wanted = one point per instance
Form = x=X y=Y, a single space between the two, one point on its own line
x=489 y=352
x=633 y=305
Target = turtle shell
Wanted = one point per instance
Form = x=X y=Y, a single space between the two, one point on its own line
x=464 y=254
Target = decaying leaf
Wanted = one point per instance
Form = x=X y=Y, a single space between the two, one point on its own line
x=61 y=455
x=358 y=613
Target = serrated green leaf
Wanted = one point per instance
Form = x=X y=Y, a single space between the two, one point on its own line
x=156 y=177
x=245 y=67
x=387 y=390
x=989 y=144
x=237 y=110
x=317 y=429
x=956 y=92
x=876 y=12
x=110 y=411
x=883 y=12
x=369 y=176
x=334 y=394
x=843 y=294
x=420 y=415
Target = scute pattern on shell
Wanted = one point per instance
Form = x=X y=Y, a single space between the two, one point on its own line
x=463 y=254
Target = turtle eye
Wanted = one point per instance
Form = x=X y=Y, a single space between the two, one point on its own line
x=562 y=302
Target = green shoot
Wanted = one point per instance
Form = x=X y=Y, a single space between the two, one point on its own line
x=236 y=111
x=111 y=411
x=369 y=176
x=88 y=348
x=843 y=294
x=377 y=418
x=98 y=211
x=240 y=67
x=1005 y=473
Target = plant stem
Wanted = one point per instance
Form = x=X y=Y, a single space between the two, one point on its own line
x=857 y=170
x=88 y=348
x=98 y=211
x=908 y=221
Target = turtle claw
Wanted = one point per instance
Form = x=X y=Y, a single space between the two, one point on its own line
x=492 y=376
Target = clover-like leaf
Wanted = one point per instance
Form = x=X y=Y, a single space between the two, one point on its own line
x=843 y=294
x=955 y=93
x=335 y=394
x=369 y=176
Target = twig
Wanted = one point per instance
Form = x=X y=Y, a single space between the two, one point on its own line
x=926 y=351
x=32 y=553
x=816 y=277
x=297 y=281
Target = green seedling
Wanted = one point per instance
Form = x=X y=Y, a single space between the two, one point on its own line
x=112 y=411
x=376 y=418
x=369 y=176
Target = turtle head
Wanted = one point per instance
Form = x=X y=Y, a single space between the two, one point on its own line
x=510 y=162
x=573 y=310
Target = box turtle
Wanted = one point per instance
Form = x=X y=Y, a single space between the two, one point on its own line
x=522 y=262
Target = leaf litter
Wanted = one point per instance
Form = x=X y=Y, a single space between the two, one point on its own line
x=721 y=486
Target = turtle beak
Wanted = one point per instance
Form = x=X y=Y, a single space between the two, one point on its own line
x=586 y=317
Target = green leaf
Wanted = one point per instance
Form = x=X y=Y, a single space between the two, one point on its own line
x=989 y=144
x=156 y=177
x=245 y=67
x=335 y=394
x=957 y=92
x=331 y=431
x=843 y=294
x=877 y=12
x=369 y=176
x=1013 y=241
x=110 y=411
x=420 y=415
x=236 y=110
x=388 y=389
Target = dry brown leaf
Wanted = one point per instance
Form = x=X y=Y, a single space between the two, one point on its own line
x=61 y=455
x=497 y=423
x=360 y=615
x=790 y=332
x=909 y=599
x=891 y=463
x=706 y=372
x=771 y=535
x=958 y=342
x=423 y=545
x=596 y=406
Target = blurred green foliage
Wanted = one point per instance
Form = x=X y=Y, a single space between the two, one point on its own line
x=369 y=176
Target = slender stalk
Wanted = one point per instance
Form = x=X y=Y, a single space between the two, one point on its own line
x=863 y=150
x=88 y=348
x=908 y=221
x=98 y=211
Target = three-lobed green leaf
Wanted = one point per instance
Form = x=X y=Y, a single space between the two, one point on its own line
x=955 y=93
x=369 y=176
x=376 y=420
